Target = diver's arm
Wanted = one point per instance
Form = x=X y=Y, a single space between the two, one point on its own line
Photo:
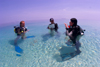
x=56 y=26
x=65 y=25
x=26 y=30
x=69 y=33
x=19 y=31
x=48 y=27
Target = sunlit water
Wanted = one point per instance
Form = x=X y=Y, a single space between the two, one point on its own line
x=43 y=50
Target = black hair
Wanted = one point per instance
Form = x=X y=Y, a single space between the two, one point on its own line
x=74 y=20
x=51 y=19
x=20 y=24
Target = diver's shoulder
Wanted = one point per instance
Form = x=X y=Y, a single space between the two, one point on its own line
x=78 y=26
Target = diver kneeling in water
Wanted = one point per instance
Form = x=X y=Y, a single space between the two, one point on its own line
x=53 y=26
x=74 y=32
x=20 y=31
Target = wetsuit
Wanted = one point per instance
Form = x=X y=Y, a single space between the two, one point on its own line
x=55 y=27
x=22 y=30
x=73 y=32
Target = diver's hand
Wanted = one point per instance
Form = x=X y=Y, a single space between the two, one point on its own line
x=19 y=31
x=26 y=31
x=48 y=28
x=65 y=25
x=51 y=28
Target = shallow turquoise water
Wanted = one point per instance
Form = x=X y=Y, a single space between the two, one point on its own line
x=43 y=50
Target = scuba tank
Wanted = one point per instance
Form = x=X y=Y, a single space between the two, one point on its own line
x=17 y=29
x=81 y=31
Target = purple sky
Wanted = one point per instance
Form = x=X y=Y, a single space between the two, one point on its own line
x=17 y=10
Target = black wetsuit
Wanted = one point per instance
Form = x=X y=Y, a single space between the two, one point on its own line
x=20 y=29
x=73 y=32
x=56 y=27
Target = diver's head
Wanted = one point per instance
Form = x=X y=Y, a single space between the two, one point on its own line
x=73 y=22
x=52 y=20
x=22 y=24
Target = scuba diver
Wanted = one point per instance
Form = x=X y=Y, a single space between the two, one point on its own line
x=53 y=26
x=74 y=32
x=20 y=31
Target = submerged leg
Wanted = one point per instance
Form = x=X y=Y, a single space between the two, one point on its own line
x=23 y=36
x=15 y=42
x=78 y=44
x=77 y=47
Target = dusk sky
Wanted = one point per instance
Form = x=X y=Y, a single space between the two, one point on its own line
x=17 y=10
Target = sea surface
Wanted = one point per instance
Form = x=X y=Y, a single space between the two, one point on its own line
x=44 y=50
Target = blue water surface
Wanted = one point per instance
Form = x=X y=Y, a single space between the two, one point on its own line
x=44 y=50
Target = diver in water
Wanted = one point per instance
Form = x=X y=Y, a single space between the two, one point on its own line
x=74 y=32
x=53 y=26
x=20 y=31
